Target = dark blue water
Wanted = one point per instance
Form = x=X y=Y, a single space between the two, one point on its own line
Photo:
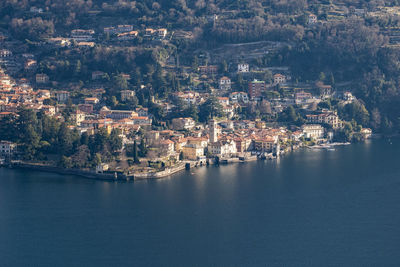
x=310 y=208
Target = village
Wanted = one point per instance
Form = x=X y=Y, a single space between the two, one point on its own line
x=234 y=103
x=184 y=142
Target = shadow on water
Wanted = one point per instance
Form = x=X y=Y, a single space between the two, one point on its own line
x=309 y=208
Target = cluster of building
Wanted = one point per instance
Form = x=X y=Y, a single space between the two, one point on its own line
x=193 y=141
x=89 y=116
x=227 y=138
x=185 y=138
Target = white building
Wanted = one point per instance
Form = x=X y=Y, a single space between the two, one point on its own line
x=42 y=78
x=225 y=148
x=62 y=96
x=183 y=123
x=348 y=96
x=243 y=68
x=236 y=97
x=313 y=131
x=7 y=149
x=80 y=35
x=127 y=95
x=225 y=83
x=279 y=78
x=312 y=19
x=162 y=33
x=102 y=167
x=5 y=53
x=124 y=28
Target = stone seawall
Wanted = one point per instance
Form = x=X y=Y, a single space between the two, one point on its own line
x=161 y=174
x=77 y=172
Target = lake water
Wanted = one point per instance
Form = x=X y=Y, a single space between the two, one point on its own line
x=310 y=208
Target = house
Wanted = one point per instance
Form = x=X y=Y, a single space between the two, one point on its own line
x=149 y=32
x=329 y=118
x=62 y=96
x=255 y=89
x=279 y=78
x=127 y=95
x=30 y=64
x=325 y=90
x=167 y=147
x=302 y=97
x=127 y=36
x=265 y=143
x=222 y=148
x=224 y=101
x=183 y=123
x=59 y=41
x=110 y=30
x=225 y=83
x=152 y=136
x=201 y=141
x=49 y=110
x=36 y=10
x=80 y=35
x=6 y=114
x=77 y=117
x=87 y=108
x=210 y=69
x=243 y=144
x=92 y=100
x=236 y=97
x=143 y=112
x=162 y=33
x=97 y=75
x=102 y=167
x=86 y=44
x=180 y=142
x=313 y=131
x=348 y=96
x=296 y=135
x=138 y=120
x=120 y=114
x=124 y=28
x=5 y=53
x=366 y=132
x=43 y=94
x=260 y=124
x=243 y=68
x=189 y=98
x=312 y=19
x=7 y=149
x=192 y=152
x=42 y=78
x=229 y=111
x=98 y=93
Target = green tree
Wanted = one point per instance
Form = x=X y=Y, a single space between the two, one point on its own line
x=210 y=108
x=115 y=140
x=142 y=148
x=135 y=153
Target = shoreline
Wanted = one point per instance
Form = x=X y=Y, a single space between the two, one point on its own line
x=75 y=172
x=186 y=165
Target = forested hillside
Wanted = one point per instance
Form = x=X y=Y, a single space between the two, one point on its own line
x=350 y=44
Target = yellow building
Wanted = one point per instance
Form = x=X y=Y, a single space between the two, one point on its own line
x=192 y=152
